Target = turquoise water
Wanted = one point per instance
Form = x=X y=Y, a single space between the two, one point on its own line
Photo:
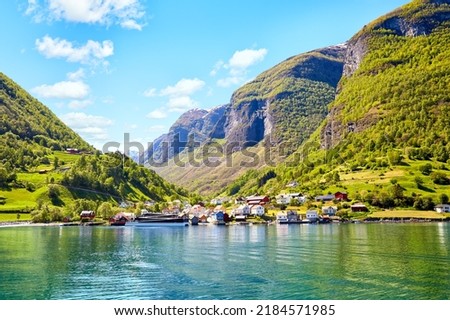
x=358 y=261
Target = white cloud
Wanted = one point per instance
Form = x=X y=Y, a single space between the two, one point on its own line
x=80 y=120
x=63 y=90
x=80 y=104
x=181 y=104
x=229 y=81
x=238 y=66
x=219 y=64
x=243 y=59
x=150 y=92
x=131 y=24
x=76 y=75
x=184 y=87
x=157 y=114
x=92 y=52
x=92 y=128
x=126 y=13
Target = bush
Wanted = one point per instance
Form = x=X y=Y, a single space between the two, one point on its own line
x=440 y=178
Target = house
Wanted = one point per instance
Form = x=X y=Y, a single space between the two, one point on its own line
x=257 y=200
x=312 y=215
x=341 y=196
x=325 y=198
x=240 y=200
x=220 y=208
x=87 y=215
x=359 y=207
x=285 y=199
x=442 y=208
x=216 y=201
x=292 y=184
x=72 y=151
x=242 y=210
x=330 y=211
x=258 y=210
x=197 y=210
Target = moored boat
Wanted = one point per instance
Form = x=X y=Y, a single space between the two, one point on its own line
x=118 y=220
x=161 y=220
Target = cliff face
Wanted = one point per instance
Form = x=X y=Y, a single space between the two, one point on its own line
x=286 y=103
x=192 y=128
x=419 y=18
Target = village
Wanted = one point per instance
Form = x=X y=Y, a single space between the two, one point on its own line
x=285 y=208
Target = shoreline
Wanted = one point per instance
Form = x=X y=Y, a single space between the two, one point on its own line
x=13 y=224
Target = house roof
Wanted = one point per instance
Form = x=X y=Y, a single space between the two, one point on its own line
x=442 y=206
x=358 y=205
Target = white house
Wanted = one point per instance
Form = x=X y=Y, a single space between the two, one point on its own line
x=216 y=201
x=442 y=208
x=242 y=210
x=283 y=199
x=331 y=211
x=287 y=198
x=258 y=210
x=312 y=215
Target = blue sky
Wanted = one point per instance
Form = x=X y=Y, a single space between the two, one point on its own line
x=106 y=67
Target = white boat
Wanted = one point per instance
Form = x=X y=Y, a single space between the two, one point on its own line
x=161 y=220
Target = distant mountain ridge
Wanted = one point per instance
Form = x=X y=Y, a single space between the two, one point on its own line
x=283 y=105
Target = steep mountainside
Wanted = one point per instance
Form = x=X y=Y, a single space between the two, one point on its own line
x=28 y=119
x=36 y=170
x=280 y=108
x=389 y=126
x=196 y=125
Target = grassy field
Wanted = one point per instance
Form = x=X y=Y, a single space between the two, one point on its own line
x=11 y=217
x=407 y=214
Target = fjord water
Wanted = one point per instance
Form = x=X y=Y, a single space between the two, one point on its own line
x=357 y=261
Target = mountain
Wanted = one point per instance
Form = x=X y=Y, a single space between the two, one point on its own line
x=386 y=139
x=45 y=164
x=279 y=109
x=196 y=125
x=28 y=119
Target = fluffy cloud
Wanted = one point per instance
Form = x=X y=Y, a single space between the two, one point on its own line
x=92 y=52
x=126 y=13
x=241 y=60
x=179 y=96
x=237 y=66
x=184 y=87
x=157 y=114
x=181 y=103
x=80 y=104
x=63 y=90
x=92 y=128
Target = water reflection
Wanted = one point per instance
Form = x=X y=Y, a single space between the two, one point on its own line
x=390 y=261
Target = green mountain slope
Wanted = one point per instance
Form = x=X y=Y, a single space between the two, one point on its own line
x=37 y=172
x=278 y=110
x=390 y=120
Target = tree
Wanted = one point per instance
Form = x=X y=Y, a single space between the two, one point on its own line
x=426 y=169
x=56 y=163
x=105 y=210
x=443 y=198
x=440 y=178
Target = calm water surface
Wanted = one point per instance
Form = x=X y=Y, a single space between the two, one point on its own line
x=362 y=261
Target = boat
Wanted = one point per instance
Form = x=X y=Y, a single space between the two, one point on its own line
x=118 y=220
x=161 y=220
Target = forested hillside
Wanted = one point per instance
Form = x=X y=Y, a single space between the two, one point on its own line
x=386 y=139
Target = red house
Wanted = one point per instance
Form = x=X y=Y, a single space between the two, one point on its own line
x=87 y=215
x=359 y=207
x=257 y=200
x=341 y=196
